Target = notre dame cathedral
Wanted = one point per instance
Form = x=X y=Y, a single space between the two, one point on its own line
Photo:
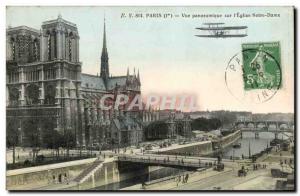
x=48 y=97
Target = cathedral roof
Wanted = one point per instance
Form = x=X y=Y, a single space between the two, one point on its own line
x=113 y=81
x=93 y=82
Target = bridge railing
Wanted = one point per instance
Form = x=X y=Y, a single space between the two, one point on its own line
x=179 y=162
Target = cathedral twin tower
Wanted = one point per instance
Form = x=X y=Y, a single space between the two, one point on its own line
x=48 y=95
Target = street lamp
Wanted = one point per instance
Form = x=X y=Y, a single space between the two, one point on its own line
x=233 y=155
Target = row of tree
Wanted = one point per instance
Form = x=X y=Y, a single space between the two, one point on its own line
x=38 y=137
x=204 y=124
x=156 y=130
x=159 y=129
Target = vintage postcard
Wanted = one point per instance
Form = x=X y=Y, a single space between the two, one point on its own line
x=150 y=98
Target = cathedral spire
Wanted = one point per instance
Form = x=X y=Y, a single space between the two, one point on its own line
x=138 y=77
x=104 y=73
x=104 y=49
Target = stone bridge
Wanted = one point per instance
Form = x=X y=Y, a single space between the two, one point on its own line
x=164 y=161
x=180 y=162
x=275 y=127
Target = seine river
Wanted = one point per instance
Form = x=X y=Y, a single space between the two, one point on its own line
x=256 y=144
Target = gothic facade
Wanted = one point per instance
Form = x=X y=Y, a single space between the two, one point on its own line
x=47 y=95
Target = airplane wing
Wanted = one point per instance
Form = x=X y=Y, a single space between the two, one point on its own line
x=222 y=36
x=222 y=28
x=214 y=23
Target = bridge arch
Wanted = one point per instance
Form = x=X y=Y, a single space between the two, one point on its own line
x=283 y=126
x=272 y=125
x=251 y=125
x=240 y=125
x=261 y=125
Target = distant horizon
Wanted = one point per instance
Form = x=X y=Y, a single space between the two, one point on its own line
x=245 y=111
x=232 y=111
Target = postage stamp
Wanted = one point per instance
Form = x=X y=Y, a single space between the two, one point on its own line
x=254 y=74
x=261 y=65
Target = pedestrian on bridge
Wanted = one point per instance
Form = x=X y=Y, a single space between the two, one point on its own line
x=183 y=179
x=186 y=178
x=177 y=180
x=199 y=162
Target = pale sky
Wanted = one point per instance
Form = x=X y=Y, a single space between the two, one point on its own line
x=170 y=58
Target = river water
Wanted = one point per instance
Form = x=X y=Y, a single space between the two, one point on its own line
x=154 y=175
x=256 y=144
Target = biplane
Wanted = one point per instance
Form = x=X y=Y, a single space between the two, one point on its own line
x=218 y=30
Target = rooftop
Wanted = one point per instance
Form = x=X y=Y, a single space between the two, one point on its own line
x=59 y=19
x=23 y=27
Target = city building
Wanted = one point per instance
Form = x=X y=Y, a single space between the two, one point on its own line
x=48 y=97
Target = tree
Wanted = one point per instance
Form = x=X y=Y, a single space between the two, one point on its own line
x=69 y=140
x=156 y=130
x=12 y=137
x=33 y=134
x=53 y=139
x=226 y=117
x=205 y=124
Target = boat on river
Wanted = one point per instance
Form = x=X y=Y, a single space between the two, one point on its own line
x=238 y=145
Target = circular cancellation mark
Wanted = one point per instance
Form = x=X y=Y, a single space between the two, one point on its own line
x=253 y=76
